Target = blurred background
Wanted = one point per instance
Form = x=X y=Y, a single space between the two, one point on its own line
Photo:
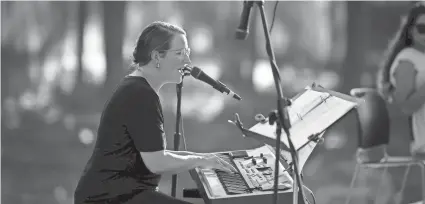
x=61 y=61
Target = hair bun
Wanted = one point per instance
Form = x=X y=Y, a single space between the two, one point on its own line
x=136 y=59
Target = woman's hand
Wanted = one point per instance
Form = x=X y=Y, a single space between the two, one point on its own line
x=215 y=162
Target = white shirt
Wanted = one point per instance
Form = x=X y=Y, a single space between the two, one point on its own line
x=417 y=58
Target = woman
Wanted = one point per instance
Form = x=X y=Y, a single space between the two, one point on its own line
x=402 y=78
x=130 y=152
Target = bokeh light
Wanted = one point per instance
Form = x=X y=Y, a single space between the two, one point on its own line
x=86 y=136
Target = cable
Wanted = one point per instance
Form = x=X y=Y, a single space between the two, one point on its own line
x=274 y=17
x=312 y=195
x=184 y=138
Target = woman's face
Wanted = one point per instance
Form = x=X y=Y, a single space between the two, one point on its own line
x=175 y=58
x=419 y=30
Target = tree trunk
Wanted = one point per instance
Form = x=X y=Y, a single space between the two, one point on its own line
x=357 y=40
x=82 y=20
x=113 y=27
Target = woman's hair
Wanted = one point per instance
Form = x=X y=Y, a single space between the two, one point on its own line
x=401 y=40
x=156 y=36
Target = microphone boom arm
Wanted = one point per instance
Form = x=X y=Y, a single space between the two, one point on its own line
x=281 y=116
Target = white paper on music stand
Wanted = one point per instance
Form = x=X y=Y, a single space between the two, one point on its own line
x=311 y=113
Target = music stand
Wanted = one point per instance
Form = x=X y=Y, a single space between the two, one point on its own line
x=328 y=108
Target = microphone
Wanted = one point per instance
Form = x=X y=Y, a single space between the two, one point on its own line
x=197 y=73
x=243 y=29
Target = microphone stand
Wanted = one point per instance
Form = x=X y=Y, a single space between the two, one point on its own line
x=177 y=134
x=282 y=120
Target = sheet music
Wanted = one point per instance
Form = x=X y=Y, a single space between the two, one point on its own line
x=305 y=103
x=315 y=121
x=318 y=120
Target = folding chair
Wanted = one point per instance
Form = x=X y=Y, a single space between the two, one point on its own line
x=374 y=129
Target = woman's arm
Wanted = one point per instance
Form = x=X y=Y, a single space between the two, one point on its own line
x=406 y=96
x=168 y=162
x=160 y=162
x=415 y=101
x=185 y=153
